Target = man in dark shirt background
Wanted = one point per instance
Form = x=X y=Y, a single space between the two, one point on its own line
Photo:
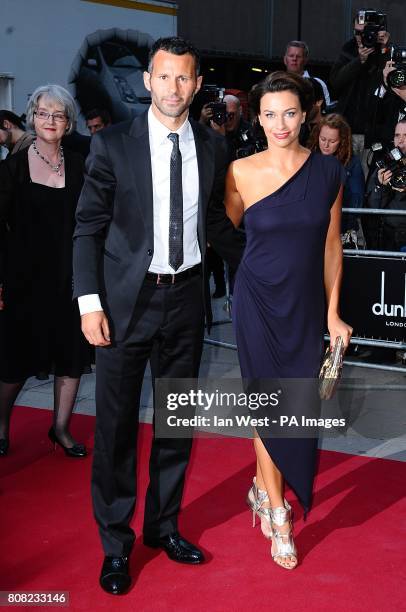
x=357 y=80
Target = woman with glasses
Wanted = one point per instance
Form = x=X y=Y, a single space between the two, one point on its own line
x=39 y=322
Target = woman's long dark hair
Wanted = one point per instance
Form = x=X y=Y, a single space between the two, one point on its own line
x=276 y=82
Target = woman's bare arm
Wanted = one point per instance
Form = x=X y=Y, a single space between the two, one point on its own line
x=232 y=199
x=333 y=270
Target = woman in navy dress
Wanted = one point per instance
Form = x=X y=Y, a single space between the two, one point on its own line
x=287 y=283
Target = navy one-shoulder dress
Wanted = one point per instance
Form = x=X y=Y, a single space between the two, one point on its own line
x=279 y=299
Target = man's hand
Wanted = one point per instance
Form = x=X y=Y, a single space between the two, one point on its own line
x=384 y=176
x=220 y=129
x=364 y=53
x=206 y=114
x=95 y=328
x=389 y=67
x=400 y=91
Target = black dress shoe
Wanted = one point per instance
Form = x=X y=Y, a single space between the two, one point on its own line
x=177 y=548
x=4 y=444
x=77 y=450
x=114 y=577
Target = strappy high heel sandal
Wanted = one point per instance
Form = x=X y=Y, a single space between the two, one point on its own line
x=282 y=543
x=256 y=499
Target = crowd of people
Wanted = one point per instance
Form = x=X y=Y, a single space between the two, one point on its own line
x=359 y=116
x=139 y=254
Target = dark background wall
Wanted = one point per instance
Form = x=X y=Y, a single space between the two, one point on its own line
x=225 y=25
x=261 y=28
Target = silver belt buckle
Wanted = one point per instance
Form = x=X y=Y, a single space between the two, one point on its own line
x=158 y=279
x=173 y=279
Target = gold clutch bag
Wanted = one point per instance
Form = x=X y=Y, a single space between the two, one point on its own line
x=331 y=369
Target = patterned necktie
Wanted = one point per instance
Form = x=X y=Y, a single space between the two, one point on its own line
x=176 y=206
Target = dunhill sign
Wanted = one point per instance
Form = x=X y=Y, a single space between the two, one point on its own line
x=382 y=309
x=373 y=297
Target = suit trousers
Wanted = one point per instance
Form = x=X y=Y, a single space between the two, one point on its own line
x=167 y=330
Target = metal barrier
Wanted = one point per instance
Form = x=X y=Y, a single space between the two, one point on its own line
x=399 y=255
x=355 y=340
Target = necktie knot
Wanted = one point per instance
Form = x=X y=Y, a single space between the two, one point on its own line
x=174 y=138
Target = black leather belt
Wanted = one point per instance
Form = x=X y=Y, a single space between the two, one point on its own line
x=171 y=279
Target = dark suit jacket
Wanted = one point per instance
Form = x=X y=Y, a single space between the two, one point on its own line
x=114 y=238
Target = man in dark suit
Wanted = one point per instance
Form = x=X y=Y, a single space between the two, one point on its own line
x=152 y=199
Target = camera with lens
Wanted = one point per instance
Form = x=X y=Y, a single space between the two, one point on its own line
x=374 y=22
x=397 y=78
x=213 y=96
x=249 y=144
x=393 y=160
x=219 y=112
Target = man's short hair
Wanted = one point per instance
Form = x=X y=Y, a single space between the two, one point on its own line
x=6 y=115
x=99 y=112
x=232 y=98
x=175 y=45
x=300 y=44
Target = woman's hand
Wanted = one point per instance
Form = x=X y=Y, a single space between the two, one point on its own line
x=337 y=327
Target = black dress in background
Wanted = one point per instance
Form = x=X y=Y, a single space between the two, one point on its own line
x=279 y=299
x=40 y=324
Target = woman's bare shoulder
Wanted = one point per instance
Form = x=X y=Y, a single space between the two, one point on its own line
x=248 y=164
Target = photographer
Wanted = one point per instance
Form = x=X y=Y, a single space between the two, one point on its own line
x=357 y=77
x=241 y=142
x=238 y=133
x=387 y=189
x=393 y=106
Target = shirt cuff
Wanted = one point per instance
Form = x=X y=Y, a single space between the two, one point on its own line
x=89 y=303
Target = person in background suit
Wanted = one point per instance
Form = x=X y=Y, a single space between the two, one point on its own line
x=152 y=199
x=12 y=133
x=97 y=119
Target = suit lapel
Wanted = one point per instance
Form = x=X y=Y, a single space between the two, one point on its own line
x=205 y=164
x=138 y=159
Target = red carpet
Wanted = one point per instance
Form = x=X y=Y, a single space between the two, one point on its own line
x=352 y=547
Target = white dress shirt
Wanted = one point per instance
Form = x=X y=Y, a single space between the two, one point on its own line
x=161 y=149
